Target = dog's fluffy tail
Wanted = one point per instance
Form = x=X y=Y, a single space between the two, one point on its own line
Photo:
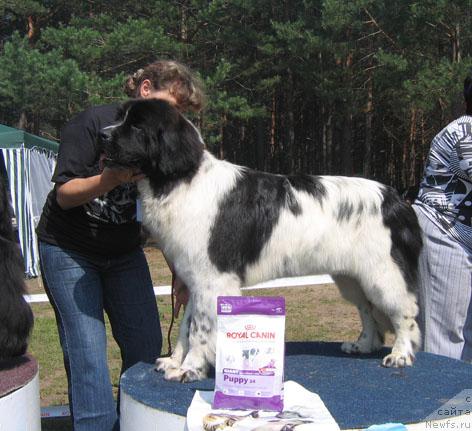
x=405 y=230
x=16 y=317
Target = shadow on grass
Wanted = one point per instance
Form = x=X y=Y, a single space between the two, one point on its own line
x=59 y=424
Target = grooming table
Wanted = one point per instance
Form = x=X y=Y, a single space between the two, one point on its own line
x=357 y=390
x=19 y=394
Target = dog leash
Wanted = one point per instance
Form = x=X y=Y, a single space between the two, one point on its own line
x=169 y=331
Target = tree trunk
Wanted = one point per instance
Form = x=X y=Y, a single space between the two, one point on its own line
x=273 y=128
x=183 y=22
x=36 y=123
x=327 y=143
x=22 y=121
x=260 y=145
x=290 y=149
x=456 y=46
x=221 y=148
x=346 y=154
x=368 y=127
x=33 y=30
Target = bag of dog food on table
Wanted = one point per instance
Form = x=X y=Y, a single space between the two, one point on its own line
x=250 y=352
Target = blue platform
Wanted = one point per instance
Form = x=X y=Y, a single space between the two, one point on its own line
x=357 y=390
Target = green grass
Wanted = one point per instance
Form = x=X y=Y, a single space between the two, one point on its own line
x=313 y=313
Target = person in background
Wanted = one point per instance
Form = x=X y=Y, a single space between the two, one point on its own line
x=91 y=258
x=444 y=210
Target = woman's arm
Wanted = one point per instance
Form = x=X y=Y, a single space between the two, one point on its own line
x=181 y=292
x=79 y=191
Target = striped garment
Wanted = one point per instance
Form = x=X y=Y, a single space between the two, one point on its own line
x=445 y=194
x=444 y=293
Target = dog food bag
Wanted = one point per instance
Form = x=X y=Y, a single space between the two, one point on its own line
x=250 y=351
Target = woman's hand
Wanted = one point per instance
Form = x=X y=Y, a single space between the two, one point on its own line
x=116 y=176
x=181 y=293
x=79 y=191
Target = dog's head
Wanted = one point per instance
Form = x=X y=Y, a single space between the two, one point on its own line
x=153 y=138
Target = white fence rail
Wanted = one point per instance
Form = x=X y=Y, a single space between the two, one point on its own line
x=308 y=280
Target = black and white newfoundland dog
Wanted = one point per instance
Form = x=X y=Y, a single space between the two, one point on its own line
x=225 y=226
x=16 y=317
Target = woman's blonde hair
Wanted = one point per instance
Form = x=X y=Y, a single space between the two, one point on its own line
x=170 y=75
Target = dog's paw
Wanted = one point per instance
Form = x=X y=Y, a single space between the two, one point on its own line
x=183 y=376
x=356 y=348
x=364 y=344
x=398 y=360
x=164 y=364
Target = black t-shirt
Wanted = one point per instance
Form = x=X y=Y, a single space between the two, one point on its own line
x=105 y=226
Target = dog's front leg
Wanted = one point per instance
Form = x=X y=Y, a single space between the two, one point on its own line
x=202 y=326
x=174 y=361
x=200 y=355
x=201 y=343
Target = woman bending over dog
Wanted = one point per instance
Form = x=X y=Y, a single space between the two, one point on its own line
x=91 y=259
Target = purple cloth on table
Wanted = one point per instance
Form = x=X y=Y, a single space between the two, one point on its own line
x=16 y=373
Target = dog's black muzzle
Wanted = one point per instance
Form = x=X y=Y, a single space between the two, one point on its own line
x=104 y=136
x=105 y=143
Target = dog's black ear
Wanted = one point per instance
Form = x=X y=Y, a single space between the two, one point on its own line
x=123 y=109
x=176 y=148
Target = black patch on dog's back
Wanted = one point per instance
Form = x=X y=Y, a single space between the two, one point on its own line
x=246 y=219
x=346 y=210
x=349 y=211
x=405 y=230
x=310 y=184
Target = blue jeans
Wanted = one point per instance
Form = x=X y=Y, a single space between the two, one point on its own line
x=80 y=288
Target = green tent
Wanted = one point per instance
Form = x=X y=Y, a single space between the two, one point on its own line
x=15 y=138
x=28 y=161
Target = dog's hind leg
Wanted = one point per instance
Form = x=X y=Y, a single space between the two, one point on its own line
x=369 y=339
x=387 y=291
x=174 y=361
